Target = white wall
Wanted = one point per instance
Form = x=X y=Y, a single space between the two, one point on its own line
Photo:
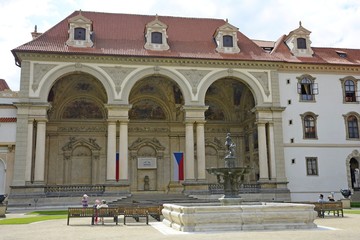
x=331 y=148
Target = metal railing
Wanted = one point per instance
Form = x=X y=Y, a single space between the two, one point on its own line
x=73 y=189
x=217 y=188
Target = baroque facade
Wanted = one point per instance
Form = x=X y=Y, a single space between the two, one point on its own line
x=107 y=99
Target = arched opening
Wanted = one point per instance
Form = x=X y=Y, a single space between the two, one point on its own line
x=77 y=112
x=230 y=102
x=354 y=173
x=155 y=131
x=2 y=176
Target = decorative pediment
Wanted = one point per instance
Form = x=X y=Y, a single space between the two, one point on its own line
x=140 y=142
x=299 y=42
x=73 y=143
x=226 y=38
x=80 y=32
x=156 y=36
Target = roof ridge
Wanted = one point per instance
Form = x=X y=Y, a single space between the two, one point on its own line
x=150 y=15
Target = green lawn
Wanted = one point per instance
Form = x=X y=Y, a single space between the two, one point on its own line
x=36 y=216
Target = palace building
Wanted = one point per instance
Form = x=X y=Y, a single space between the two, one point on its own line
x=122 y=103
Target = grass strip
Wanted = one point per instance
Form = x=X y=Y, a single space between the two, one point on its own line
x=36 y=216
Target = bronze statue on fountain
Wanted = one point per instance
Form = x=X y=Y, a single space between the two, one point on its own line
x=230 y=176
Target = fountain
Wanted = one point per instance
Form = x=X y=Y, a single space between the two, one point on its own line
x=230 y=176
x=232 y=214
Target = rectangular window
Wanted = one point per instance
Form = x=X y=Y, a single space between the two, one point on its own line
x=228 y=41
x=79 y=33
x=311 y=166
x=301 y=43
x=156 y=37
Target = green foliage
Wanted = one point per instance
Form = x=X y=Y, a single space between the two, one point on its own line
x=56 y=212
x=355 y=204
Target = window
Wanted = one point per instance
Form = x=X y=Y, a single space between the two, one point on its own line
x=156 y=37
x=79 y=34
x=311 y=166
x=228 y=41
x=350 y=91
x=309 y=125
x=307 y=89
x=353 y=127
x=301 y=43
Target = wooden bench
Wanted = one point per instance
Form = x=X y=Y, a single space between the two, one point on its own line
x=155 y=212
x=92 y=213
x=136 y=213
x=335 y=207
x=112 y=212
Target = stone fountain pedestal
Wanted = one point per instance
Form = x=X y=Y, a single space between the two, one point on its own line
x=246 y=217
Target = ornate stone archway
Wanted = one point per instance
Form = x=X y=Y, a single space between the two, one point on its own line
x=355 y=154
x=81 y=161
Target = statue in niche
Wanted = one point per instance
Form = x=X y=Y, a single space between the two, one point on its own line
x=146 y=183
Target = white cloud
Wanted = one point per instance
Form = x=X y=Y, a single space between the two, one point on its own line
x=333 y=23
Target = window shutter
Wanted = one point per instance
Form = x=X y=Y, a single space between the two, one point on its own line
x=315 y=89
x=357 y=96
x=299 y=88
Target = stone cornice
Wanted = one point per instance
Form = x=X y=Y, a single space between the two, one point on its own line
x=281 y=66
x=28 y=56
x=328 y=68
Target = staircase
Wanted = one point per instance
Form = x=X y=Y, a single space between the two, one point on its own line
x=157 y=198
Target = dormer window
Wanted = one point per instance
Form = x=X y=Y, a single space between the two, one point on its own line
x=155 y=36
x=80 y=32
x=226 y=39
x=299 y=42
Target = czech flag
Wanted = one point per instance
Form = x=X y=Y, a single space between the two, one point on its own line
x=178 y=166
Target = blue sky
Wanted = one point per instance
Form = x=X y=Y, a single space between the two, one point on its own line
x=333 y=23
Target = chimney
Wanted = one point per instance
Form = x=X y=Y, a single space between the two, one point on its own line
x=35 y=33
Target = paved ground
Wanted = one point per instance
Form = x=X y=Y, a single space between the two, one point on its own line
x=330 y=227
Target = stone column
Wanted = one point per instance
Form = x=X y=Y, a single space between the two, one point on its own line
x=200 y=150
x=189 y=151
x=263 y=160
x=271 y=146
x=29 y=150
x=111 y=151
x=39 y=175
x=123 y=150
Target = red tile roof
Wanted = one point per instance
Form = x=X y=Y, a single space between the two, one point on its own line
x=3 y=85
x=8 y=119
x=320 y=56
x=124 y=34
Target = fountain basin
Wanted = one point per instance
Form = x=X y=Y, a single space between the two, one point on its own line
x=245 y=217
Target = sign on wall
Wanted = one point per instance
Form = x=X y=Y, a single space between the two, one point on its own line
x=147 y=163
